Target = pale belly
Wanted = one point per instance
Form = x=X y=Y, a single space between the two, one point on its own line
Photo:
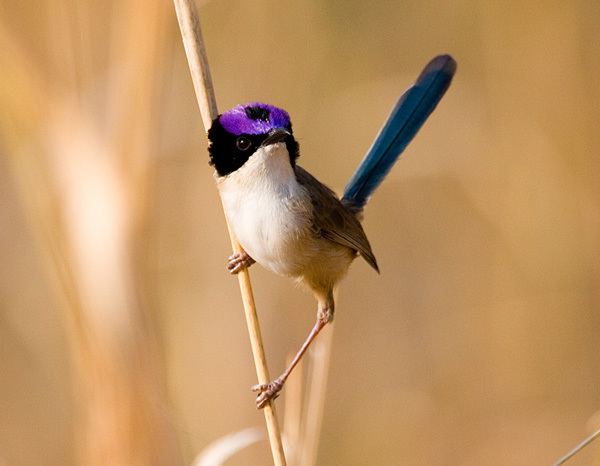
x=270 y=214
x=271 y=220
x=277 y=232
x=273 y=230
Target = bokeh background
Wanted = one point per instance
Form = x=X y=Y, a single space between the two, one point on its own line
x=122 y=338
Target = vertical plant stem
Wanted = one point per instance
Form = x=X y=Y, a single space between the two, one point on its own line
x=199 y=69
x=193 y=43
x=292 y=418
x=315 y=405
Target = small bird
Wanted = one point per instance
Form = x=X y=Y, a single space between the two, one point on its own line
x=288 y=221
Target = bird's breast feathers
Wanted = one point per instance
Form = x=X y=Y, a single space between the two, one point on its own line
x=269 y=211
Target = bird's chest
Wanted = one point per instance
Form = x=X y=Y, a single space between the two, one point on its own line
x=270 y=216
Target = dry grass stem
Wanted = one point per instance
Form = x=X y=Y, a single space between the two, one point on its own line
x=320 y=355
x=578 y=448
x=79 y=201
x=218 y=452
x=292 y=419
x=199 y=68
x=195 y=51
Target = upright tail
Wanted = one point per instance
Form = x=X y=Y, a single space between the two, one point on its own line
x=407 y=117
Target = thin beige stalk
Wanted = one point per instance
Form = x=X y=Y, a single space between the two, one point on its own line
x=578 y=448
x=76 y=197
x=191 y=34
x=292 y=418
x=320 y=355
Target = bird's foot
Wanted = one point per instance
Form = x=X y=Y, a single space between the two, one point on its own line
x=238 y=262
x=267 y=391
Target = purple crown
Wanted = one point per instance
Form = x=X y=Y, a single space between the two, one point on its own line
x=254 y=118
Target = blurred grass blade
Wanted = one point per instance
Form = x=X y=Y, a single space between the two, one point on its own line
x=224 y=448
x=315 y=401
x=578 y=448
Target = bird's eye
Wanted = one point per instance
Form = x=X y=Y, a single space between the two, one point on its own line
x=243 y=143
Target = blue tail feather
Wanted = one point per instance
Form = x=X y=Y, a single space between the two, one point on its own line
x=407 y=117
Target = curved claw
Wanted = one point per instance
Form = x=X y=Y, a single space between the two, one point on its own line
x=238 y=262
x=267 y=392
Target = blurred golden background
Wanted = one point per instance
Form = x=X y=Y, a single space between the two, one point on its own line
x=122 y=337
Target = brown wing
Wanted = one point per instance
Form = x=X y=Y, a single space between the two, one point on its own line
x=333 y=220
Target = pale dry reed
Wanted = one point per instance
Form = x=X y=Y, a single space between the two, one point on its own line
x=81 y=150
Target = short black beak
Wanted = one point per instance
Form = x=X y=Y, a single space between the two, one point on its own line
x=276 y=135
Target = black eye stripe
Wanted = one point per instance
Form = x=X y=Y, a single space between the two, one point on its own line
x=226 y=157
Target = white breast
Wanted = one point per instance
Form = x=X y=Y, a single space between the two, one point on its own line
x=269 y=211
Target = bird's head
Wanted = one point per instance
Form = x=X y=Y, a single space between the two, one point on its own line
x=245 y=129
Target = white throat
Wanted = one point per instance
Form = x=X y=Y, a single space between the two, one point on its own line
x=269 y=164
x=268 y=210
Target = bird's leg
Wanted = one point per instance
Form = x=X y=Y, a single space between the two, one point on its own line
x=239 y=261
x=270 y=391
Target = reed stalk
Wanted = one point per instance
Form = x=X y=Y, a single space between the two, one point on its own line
x=80 y=199
x=584 y=443
x=312 y=420
x=292 y=415
x=191 y=34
